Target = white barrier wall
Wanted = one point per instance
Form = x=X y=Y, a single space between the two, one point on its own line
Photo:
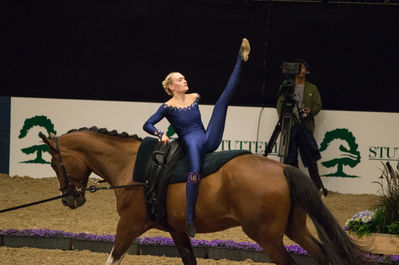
x=352 y=144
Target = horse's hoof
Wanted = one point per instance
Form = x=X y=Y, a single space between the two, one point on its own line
x=190 y=229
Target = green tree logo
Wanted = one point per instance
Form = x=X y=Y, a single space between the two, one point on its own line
x=41 y=121
x=347 y=156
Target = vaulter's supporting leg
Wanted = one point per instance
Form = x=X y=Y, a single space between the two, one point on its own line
x=192 y=185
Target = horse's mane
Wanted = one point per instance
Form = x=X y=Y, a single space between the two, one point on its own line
x=106 y=132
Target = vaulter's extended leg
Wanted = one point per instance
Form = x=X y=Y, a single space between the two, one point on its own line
x=214 y=132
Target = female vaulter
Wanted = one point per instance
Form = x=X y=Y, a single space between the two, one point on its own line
x=183 y=114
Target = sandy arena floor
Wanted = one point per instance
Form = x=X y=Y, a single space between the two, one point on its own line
x=98 y=216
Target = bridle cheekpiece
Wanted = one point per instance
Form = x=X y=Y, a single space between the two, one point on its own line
x=68 y=187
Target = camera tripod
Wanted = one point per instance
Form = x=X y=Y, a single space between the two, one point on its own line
x=283 y=127
x=286 y=120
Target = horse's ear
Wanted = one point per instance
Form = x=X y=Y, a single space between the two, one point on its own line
x=48 y=140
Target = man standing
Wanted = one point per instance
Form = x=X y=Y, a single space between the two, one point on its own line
x=308 y=101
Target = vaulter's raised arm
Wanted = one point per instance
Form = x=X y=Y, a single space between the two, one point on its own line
x=149 y=125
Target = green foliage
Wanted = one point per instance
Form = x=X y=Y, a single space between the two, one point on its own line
x=362 y=223
x=379 y=220
x=385 y=216
x=393 y=228
x=389 y=200
x=367 y=222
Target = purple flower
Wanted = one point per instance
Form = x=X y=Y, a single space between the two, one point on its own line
x=11 y=231
x=109 y=238
x=235 y=245
x=199 y=243
x=44 y=233
x=161 y=241
x=392 y=259
x=296 y=249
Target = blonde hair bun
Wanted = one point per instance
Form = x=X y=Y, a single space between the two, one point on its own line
x=166 y=82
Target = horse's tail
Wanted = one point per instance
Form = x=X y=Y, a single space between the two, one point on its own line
x=339 y=247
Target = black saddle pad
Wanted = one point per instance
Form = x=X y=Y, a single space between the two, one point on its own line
x=212 y=162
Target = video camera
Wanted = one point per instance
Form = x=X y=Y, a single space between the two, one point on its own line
x=290 y=70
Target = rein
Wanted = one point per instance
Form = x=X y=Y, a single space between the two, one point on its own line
x=31 y=204
x=92 y=189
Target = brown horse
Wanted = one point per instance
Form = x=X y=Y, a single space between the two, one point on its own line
x=266 y=198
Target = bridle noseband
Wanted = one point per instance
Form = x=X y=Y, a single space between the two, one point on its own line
x=68 y=188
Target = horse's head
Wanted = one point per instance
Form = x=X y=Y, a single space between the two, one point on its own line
x=72 y=172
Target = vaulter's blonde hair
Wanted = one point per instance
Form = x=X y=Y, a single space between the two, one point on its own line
x=166 y=82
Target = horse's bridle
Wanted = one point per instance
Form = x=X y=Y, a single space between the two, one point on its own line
x=68 y=187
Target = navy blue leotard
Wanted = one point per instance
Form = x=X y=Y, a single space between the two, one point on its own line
x=195 y=139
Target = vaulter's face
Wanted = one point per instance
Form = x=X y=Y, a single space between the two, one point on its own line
x=179 y=83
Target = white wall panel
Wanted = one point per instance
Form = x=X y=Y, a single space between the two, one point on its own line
x=374 y=135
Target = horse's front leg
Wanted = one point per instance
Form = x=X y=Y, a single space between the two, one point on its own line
x=127 y=230
x=183 y=245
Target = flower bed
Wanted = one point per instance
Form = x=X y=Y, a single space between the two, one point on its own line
x=160 y=241
x=215 y=249
x=378 y=229
x=367 y=222
x=364 y=226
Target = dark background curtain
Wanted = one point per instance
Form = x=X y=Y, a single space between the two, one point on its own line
x=122 y=50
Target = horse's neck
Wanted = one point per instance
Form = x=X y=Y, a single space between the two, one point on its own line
x=111 y=158
x=115 y=162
